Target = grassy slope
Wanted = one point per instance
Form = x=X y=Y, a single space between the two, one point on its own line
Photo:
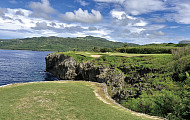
x=58 y=100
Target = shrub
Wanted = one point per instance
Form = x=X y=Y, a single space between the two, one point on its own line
x=178 y=53
x=165 y=103
x=105 y=50
x=180 y=67
x=146 y=49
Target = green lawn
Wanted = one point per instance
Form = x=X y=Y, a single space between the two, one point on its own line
x=60 y=101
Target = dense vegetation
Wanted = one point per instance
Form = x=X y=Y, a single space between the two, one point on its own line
x=59 y=101
x=59 y=44
x=156 y=85
x=146 y=49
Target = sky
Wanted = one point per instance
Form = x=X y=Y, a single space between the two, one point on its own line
x=132 y=21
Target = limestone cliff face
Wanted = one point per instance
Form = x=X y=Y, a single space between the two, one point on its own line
x=67 y=68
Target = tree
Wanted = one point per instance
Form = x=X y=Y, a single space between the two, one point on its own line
x=74 y=49
x=125 y=46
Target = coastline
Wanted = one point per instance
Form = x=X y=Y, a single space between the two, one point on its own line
x=28 y=50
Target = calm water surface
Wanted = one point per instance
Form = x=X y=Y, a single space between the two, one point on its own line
x=23 y=66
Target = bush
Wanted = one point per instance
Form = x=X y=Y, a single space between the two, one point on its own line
x=181 y=45
x=146 y=49
x=165 y=103
x=105 y=50
x=179 y=68
x=178 y=53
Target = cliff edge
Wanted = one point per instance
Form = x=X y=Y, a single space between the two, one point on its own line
x=67 y=68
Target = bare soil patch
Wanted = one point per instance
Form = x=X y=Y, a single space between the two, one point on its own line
x=95 y=56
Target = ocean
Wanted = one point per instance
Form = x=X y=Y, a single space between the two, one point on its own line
x=19 y=66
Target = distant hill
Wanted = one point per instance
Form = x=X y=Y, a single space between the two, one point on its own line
x=184 y=42
x=59 y=44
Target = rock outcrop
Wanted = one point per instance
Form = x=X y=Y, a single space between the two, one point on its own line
x=67 y=68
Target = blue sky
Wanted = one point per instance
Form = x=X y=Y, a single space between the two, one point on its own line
x=134 y=21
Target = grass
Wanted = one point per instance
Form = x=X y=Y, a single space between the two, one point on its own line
x=60 y=101
x=111 y=59
x=117 y=59
x=88 y=54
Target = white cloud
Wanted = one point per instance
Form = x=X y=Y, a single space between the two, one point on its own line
x=120 y=15
x=82 y=16
x=141 y=23
x=154 y=27
x=92 y=28
x=183 y=13
x=137 y=7
x=110 y=1
x=74 y=29
x=174 y=27
x=42 y=26
x=82 y=2
x=13 y=1
x=134 y=29
x=18 y=11
x=124 y=21
x=2 y=11
x=36 y=27
x=159 y=33
x=127 y=27
x=21 y=26
x=117 y=14
x=41 y=9
x=157 y=19
x=11 y=21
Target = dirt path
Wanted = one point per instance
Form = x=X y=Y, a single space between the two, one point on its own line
x=102 y=94
x=95 y=56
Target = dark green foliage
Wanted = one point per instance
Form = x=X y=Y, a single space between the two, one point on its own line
x=181 y=45
x=168 y=104
x=146 y=49
x=149 y=49
x=95 y=49
x=58 y=43
x=187 y=80
x=181 y=64
x=103 y=50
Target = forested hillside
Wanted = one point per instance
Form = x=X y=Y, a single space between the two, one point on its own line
x=59 y=44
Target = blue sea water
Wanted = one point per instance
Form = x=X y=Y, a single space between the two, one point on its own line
x=18 y=66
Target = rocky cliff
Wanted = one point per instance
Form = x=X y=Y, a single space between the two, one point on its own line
x=123 y=83
x=67 y=68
